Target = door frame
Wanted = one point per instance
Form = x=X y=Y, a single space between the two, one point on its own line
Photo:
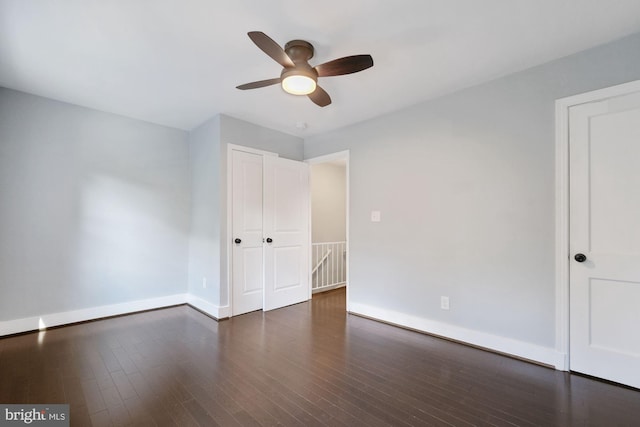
x=562 y=256
x=339 y=155
x=229 y=226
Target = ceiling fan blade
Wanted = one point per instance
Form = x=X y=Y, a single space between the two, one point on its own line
x=346 y=65
x=320 y=97
x=271 y=48
x=261 y=83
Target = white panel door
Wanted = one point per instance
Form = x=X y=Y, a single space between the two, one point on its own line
x=247 y=254
x=286 y=231
x=604 y=144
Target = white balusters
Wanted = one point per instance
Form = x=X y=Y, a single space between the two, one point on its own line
x=329 y=262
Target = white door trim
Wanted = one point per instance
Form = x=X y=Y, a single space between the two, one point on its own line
x=340 y=155
x=562 y=206
x=229 y=247
x=231 y=147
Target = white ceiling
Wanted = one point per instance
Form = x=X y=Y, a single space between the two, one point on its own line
x=177 y=62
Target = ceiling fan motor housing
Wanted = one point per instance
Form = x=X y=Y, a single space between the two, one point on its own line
x=300 y=70
x=299 y=50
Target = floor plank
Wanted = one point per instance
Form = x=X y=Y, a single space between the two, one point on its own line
x=303 y=365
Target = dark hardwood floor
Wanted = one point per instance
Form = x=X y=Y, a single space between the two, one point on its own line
x=308 y=364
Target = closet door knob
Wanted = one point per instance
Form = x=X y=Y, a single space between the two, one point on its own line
x=269 y=240
x=238 y=241
x=580 y=257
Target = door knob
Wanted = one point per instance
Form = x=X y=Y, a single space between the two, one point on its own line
x=269 y=240
x=580 y=257
x=238 y=241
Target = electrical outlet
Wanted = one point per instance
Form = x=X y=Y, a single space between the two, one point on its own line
x=444 y=303
x=204 y=282
x=375 y=216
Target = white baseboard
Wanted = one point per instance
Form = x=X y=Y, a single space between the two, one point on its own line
x=525 y=350
x=516 y=348
x=35 y=323
x=66 y=317
x=216 y=311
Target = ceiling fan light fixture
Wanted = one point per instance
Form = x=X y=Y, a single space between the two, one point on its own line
x=297 y=82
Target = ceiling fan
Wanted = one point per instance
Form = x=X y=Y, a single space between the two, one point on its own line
x=297 y=76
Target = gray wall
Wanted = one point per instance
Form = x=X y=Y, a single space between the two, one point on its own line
x=94 y=208
x=99 y=209
x=465 y=185
x=208 y=159
x=239 y=132
x=328 y=202
x=204 y=240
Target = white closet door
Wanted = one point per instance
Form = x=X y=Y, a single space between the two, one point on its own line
x=247 y=253
x=604 y=140
x=286 y=232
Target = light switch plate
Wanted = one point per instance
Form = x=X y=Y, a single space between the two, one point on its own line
x=375 y=216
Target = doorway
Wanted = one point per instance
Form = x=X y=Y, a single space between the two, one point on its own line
x=329 y=222
x=598 y=238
